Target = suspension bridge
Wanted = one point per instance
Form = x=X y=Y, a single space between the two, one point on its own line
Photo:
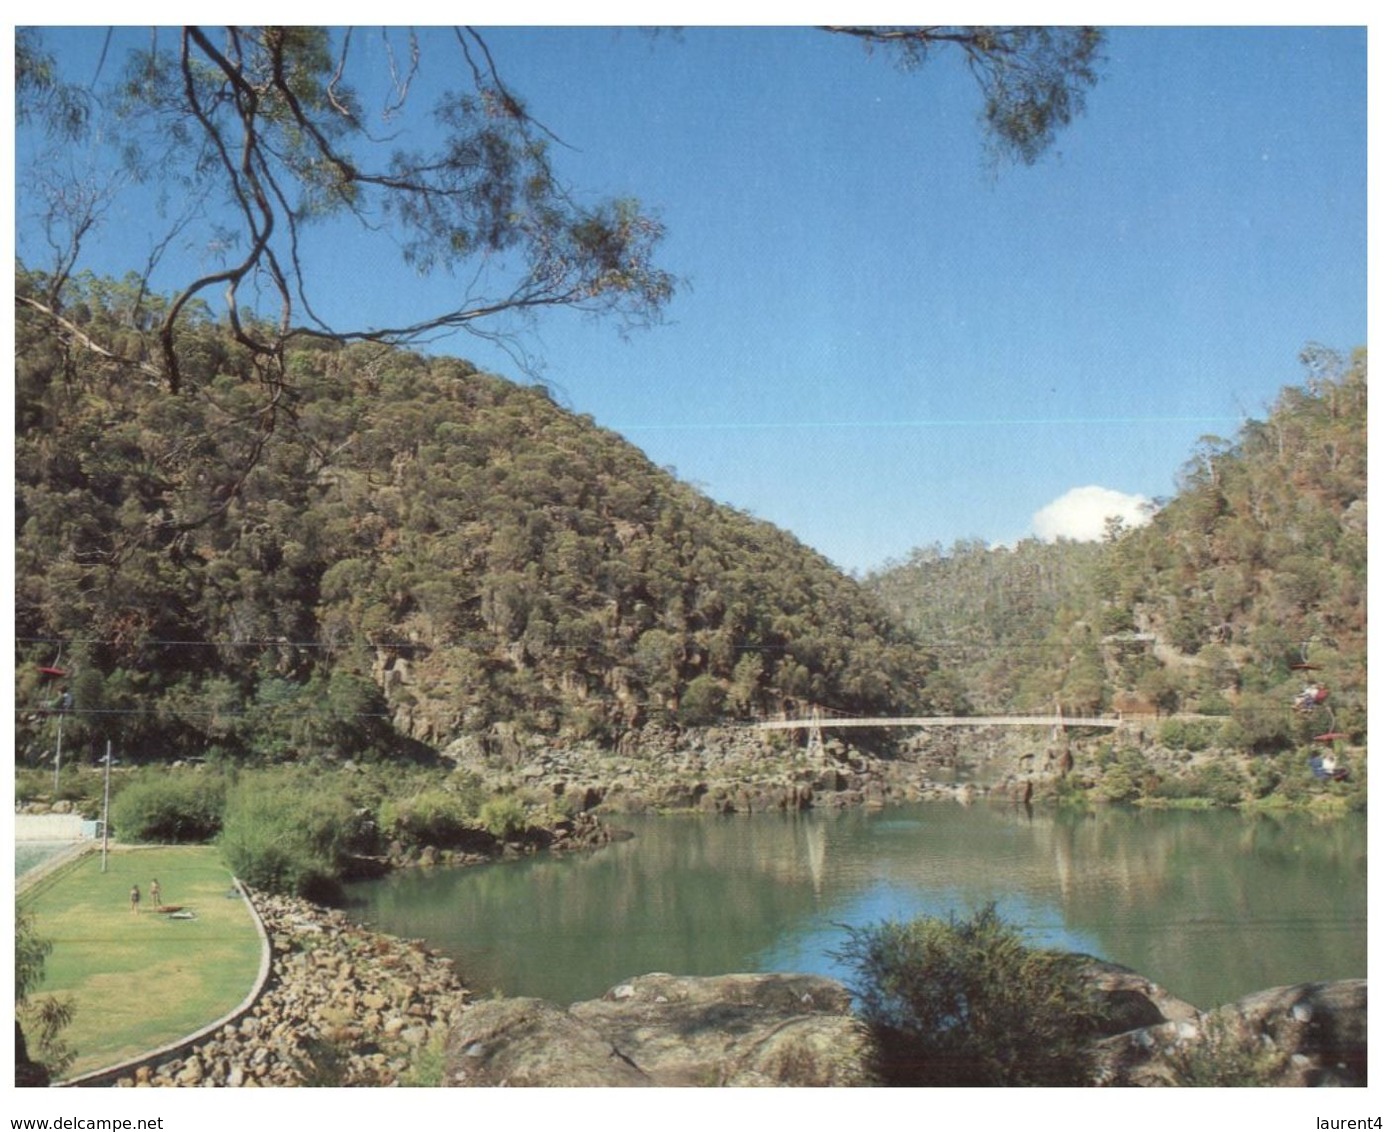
x=817 y=719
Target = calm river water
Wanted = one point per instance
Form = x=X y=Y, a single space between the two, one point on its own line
x=1210 y=905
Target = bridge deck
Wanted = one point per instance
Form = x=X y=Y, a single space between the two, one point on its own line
x=828 y=722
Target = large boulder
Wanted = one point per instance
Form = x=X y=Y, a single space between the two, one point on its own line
x=1131 y=1001
x=1312 y=1034
x=667 y=1030
x=529 y=1042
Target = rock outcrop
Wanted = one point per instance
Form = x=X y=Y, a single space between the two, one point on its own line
x=1131 y=1001
x=667 y=1030
x=730 y=769
x=797 y=1030
x=1312 y=1034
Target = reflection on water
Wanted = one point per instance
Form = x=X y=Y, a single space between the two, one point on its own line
x=1210 y=905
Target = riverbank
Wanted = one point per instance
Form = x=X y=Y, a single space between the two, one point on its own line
x=341 y=1006
x=736 y=770
x=510 y=794
x=327 y=1016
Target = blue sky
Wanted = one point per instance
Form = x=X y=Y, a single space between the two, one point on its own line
x=879 y=345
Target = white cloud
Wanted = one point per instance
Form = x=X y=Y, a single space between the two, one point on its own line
x=1080 y=513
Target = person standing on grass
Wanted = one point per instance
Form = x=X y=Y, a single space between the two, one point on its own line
x=155 y=894
x=135 y=900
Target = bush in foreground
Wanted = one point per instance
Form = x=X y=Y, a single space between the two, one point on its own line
x=968 y=1003
x=39 y=1020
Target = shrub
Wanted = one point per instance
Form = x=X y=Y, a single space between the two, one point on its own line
x=31 y=784
x=169 y=806
x=1118 y=784
x=1296 y=783
x=1259 y=724
x=75 y=784
x=1188 y=735
x=504 y=817
x=427 y=1068
x=1265 y=775
x=1222 y=1056
x=431 y=817
x=1117 y=619
x=1221 y=782
x=1126 y=776
x=966 y=1002
x=287 y=834
x=1213 y=703
x=702 y=703
x=1174 y=788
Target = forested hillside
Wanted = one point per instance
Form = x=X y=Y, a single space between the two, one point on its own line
x=385 y=553
x=1003 y=617
x=1247 y=586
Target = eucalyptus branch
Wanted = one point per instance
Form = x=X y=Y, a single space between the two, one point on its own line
x=78 y=335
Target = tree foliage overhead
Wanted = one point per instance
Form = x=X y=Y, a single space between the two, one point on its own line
x=1033 y=80
x=253 y=134
x=426 y=552
x=248 y=136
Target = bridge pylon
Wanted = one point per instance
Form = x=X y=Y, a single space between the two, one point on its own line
x=815 y=751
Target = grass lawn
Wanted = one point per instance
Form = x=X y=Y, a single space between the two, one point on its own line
x=140 y=981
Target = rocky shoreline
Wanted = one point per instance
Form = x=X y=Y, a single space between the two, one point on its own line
x=733 y=769
x=798 y=1031
x=342 y=1006
x=576 y=834
x=722 y=770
